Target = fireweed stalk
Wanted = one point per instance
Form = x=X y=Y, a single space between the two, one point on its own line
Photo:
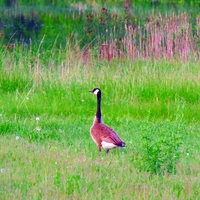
x=161 y=37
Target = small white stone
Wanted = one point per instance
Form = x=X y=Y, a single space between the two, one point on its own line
x=17 y=137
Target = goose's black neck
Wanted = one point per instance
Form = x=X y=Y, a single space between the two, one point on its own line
x=98 y=113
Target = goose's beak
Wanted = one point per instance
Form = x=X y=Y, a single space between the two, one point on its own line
x=90 y=91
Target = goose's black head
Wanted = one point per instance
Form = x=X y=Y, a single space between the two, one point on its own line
x=96 y=91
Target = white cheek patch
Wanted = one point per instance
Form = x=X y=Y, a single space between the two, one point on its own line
x=96 y=91
x=108 y=145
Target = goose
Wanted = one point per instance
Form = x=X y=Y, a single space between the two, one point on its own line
x=102 y=134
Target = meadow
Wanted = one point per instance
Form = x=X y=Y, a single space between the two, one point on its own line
x=46 y=114
x=151 y=98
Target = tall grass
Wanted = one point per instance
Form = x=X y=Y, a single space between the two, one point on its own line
x=158 y=37
x=161 y=87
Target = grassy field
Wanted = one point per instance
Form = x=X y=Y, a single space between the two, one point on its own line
x=46 y=114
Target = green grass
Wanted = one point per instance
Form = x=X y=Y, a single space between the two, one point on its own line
x=69 y=165
x=142 y=89
x=154 y=107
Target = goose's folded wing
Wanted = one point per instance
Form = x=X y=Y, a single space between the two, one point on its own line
x=109 y=135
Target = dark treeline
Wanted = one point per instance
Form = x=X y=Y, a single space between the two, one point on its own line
x=152 y=3
x=27 y=21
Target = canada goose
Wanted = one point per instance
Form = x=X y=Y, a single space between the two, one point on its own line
x=103 y=135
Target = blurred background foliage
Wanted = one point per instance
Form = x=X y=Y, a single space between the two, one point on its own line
x=57 y=23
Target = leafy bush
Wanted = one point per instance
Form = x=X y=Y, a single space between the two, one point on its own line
x=160 y=148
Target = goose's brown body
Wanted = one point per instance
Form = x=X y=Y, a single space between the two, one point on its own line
x=103 y=135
